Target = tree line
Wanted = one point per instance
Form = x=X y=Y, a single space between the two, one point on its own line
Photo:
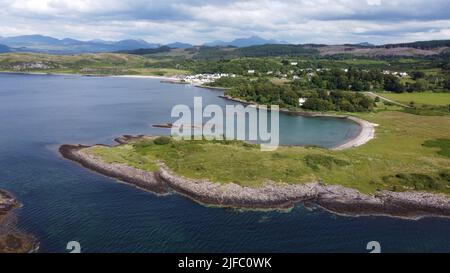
x=287 y=96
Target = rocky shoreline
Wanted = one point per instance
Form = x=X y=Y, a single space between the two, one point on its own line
x=12 y=240
x=334 y=198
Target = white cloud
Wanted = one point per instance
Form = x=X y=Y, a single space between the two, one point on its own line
x=64 y=7
x=374 y=2
x=196 y=21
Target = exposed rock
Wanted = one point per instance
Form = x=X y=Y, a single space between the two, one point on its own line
x=164 y=126
x=140 y=178
x=128 y=138
x=23 y=66
x=7 y=202
x=12 y=240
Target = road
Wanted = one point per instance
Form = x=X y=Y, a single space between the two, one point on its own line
x=373 y=95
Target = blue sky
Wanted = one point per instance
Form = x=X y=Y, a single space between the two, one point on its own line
x=199 y=21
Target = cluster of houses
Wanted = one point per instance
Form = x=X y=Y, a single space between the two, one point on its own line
x=31 y=65
x=310 y=72
x=398 y=74
x=205 y=78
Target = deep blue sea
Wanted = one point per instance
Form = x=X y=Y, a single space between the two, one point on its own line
x=64 y=202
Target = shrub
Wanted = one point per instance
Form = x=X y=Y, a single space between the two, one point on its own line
x=162 y=140
x=443 y=144
x=141 y=146
x=317 y=161
x=416 y=181
x=445 y=176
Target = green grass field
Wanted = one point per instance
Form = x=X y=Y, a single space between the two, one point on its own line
x=406 y=155
x=363 y=62
x=428 y=98
x=95 y=64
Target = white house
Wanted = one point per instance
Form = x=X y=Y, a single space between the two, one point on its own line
x=205 y=78
x=398 y=74
x=251 y=72
x=301 y=101
x=294 y=63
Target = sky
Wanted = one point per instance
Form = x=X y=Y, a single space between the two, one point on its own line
x=200 y=21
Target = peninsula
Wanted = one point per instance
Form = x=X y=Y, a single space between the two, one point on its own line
x=407 y=179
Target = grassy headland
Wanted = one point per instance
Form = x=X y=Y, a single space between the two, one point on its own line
x=401 y=158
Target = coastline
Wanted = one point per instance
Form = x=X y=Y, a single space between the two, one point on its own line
x=366 y=132
x=43 y=73
x=271 y=196
x=175 y=80
x=12 y=240
x=163 y=79
x=91 y=75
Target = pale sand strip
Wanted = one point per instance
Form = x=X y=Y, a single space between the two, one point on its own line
x=366 y=134
x=145 y=77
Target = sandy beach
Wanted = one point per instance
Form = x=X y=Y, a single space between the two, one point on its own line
x=145 y=77
x=366 y=133
x=94 y=75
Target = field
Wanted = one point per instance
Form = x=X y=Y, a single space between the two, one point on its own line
x=428 y=98
x=410 y=152
x=96 y=64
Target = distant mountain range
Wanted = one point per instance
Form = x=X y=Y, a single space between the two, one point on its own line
x=4 y=49
x=246 y=46
x=365 y=44
x=245 y=42
x=46 y=44
x=179 y=45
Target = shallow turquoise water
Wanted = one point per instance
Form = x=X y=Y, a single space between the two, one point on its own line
x=64 y=202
